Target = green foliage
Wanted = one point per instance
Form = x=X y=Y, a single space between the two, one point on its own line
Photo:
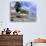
x=17 y=6
x=23 y=11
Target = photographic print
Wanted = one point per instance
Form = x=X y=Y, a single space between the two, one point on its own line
x=22 y=11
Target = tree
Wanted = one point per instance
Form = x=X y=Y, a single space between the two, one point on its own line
x=17 y=6
x=23 y=11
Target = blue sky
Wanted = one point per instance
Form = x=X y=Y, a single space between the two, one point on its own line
x=29 y=6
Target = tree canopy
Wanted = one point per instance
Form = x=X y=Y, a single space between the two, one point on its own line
x=17 y=6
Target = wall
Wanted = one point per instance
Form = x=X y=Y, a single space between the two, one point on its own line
x=39 y=44
x=30 y=30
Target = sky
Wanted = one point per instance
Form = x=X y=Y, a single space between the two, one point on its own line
x=29 y=6
x=31 y=30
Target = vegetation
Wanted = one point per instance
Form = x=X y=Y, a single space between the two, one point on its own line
x=23 y=11
x=17 y=6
